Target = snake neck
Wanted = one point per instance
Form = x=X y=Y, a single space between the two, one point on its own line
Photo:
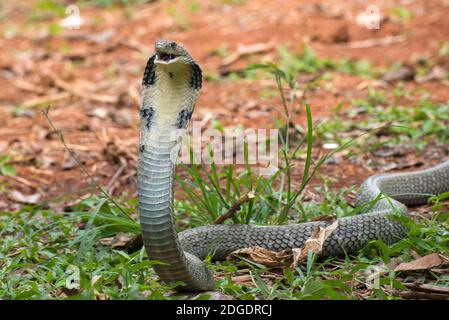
x=168 y=99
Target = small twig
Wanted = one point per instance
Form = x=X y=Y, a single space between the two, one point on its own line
x=23 y=181
x=78 y=162
x=115 y=177
x=244 y=50
x=236 y=207
x=427 y=287
x=76 y=92
x=373 y=42
x=45 y=99
x=408 y=294
x=440 y=271
x=133 y=44
x=28 y=86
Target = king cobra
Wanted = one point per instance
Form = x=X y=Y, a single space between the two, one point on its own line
x=171 y=83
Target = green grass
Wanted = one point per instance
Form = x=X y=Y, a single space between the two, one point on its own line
x=402 y=13
x=306 y=61
x=415 y=124
x=45 y=10
x=6 y=168
x=38 y=246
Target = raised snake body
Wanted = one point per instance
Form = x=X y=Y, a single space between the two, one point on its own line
x=170 y=87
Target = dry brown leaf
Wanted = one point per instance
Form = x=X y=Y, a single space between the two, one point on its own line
x=69 y=292
x=242 y=279
x=118 y=241
x=284 y=258
x=213 y=295
x=425 y=263
x=315 y=242
x=296 y=257
x=263 y=256
x=19 y=197
x=394 y=262
x=405 y=73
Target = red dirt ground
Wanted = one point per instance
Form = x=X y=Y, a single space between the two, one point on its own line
x=96 y=73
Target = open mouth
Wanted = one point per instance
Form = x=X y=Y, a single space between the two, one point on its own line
x=165 y=57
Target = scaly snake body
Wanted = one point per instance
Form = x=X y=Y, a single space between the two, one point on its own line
x=170 y=87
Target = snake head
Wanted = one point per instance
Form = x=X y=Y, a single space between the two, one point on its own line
x=169 y=52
